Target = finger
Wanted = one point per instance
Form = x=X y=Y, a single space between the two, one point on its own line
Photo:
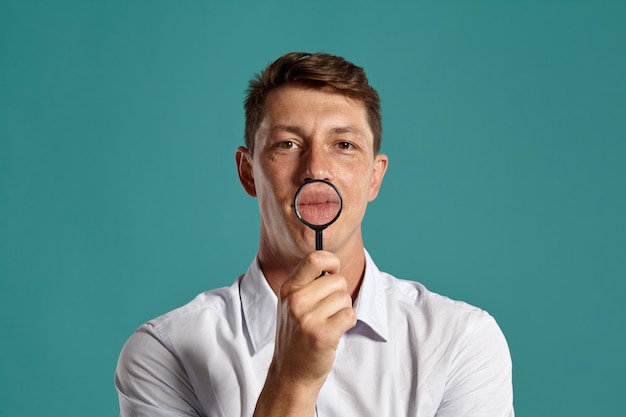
x=331 y=317
x=325 y=286
x=330 y=305
x=304 y=299
x=312 y=266
x=325 y=334
x=342 y=321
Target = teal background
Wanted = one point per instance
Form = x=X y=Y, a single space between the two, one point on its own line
x=505 y=125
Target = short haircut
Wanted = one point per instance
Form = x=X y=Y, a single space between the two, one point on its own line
x=319 y=71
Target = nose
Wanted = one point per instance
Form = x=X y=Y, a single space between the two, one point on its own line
x=316 y=165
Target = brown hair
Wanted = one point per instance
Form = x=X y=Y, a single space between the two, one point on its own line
x=318 y=70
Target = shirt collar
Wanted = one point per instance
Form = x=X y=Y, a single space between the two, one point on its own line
x=371 y=303
x=259 y=304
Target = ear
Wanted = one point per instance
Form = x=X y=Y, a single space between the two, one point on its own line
x=244 y=169
x=380 y=167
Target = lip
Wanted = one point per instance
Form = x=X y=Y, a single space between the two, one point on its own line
x=318 y=198
x=318 y=207
x=317 y=203
x=318 y=214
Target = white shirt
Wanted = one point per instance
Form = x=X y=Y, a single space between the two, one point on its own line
x=412 y=353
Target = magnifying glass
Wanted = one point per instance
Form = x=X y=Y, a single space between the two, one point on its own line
x=317 y=204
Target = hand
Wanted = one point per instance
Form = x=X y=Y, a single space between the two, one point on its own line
x=313 y=314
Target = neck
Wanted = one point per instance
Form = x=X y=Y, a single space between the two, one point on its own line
x=277 y=268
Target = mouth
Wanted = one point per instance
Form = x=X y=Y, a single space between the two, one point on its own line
x=318 y=207
x=314 y=198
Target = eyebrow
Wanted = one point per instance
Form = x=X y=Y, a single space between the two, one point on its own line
x=336 y=130
x=287 y=128
x=347 y=129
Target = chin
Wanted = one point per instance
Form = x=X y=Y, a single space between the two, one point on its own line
x=304 y=246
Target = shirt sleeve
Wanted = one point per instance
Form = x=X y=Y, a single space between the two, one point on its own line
x=480 y=374
x=151 y=381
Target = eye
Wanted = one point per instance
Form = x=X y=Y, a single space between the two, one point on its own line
x=286 y=145
x=345 y=146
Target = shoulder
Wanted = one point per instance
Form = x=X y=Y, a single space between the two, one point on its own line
x=415 y=293
x=435 y=311
x=409 y=304
x=215 y=300
x=153 y=364
x=161 y=339
x=468 y=343
x=208 y=308
x=464 y=334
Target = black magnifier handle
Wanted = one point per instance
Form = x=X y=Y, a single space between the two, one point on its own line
x=318 y=240
x=319 y=245
x=317 y=204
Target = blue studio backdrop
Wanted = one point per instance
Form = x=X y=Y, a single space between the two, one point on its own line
x=504 y=122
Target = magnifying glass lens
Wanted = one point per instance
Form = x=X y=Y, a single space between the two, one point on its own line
x=318 y=204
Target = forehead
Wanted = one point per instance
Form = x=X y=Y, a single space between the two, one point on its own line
x=313 y=108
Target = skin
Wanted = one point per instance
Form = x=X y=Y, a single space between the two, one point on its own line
x=309 y=134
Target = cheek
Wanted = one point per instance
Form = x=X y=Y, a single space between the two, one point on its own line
x=355 y=199
x=359 y=183
x=273 y=193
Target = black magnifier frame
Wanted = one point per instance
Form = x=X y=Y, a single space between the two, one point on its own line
x=317 y=227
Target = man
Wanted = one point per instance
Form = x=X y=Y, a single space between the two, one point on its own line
x=306 y=332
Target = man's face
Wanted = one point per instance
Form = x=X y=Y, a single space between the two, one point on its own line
x=311 y=134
